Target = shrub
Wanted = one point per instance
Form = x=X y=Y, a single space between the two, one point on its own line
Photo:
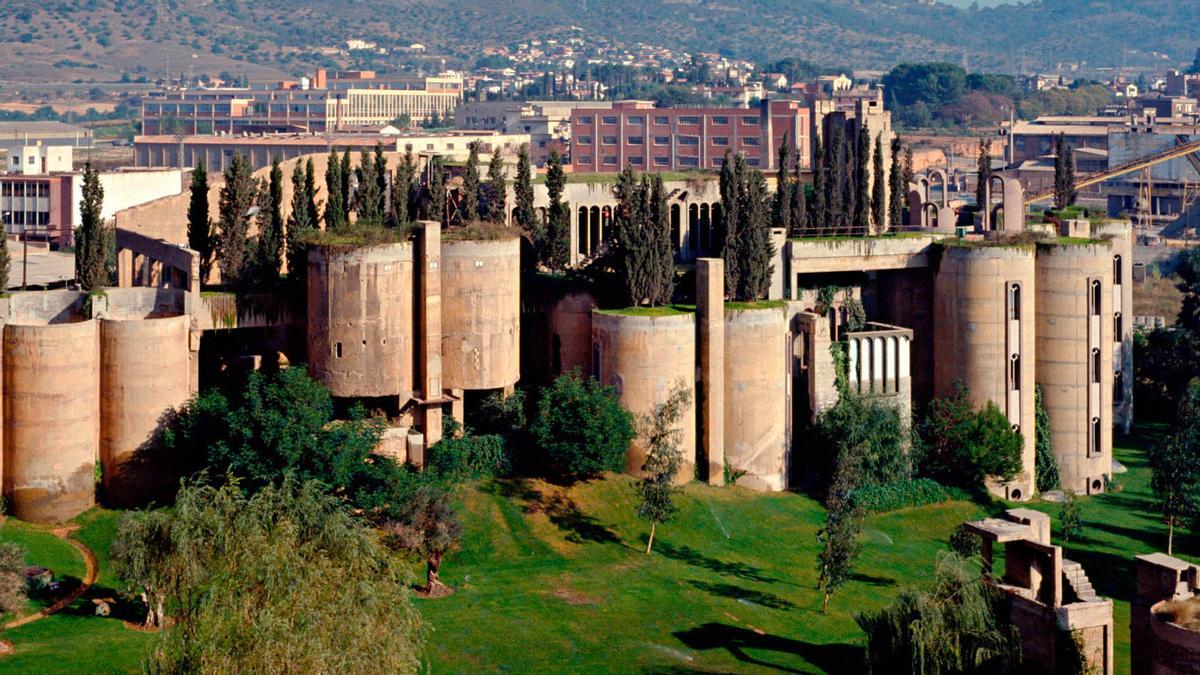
x=965 y=542
x=469 y=457
x=1069 y=520
x=958 y=445
x=581 y=427
x=901 y=494
x=864 y=431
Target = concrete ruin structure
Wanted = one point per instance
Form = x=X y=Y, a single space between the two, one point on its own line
x=1049 y=599
x=1159 y=645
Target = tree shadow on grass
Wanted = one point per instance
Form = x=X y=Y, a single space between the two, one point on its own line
x=559 y=508
x=740 y=642
x=872 y=580
x=749 y=595
x=690 y=556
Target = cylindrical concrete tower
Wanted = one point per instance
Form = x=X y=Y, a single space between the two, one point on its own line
x=984 y=337
x=481 y=314
x=756 y=396
x=51 y=419
x=1075 y=358
x=360 y=319
x=144 y=372
x=645 y=357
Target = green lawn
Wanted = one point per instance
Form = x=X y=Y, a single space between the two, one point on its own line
x=551 y=579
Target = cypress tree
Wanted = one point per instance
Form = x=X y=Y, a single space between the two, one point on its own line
x=862 y=179
x=910 y=176
x=1072 y=194
x=557 y=236
x=91 y=241
x=310 y=193
x=782 y=209
x=756 y=249
x=402 y=189
x=849 y=200
x=732 y=171
x=345 y=173
x=983 y=171
x=437 y=190
x=662 y=285
x=835 y=200
x=899 y=189
x=525 y=215
x=269 y=249
x=497 y=189
x=629 y=240
x=333 y=193
x=878 y=181
x=799 y=205
x=818 y=212
x=368 y=200
x=238 y=195
x=381 y=181
x=298 y=226
x=5 y=268
x=199 y=229
x=469 y=212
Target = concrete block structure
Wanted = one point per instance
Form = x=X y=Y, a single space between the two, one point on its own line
x=1158 y=645
x=1050 y=600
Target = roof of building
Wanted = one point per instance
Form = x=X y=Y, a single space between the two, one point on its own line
x=1034 y=129
x=40 y=127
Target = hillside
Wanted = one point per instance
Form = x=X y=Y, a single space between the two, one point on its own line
x=101 y=40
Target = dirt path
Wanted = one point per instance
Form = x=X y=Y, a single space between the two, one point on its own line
x=93 y=571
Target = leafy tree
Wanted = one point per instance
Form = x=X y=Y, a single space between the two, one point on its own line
x=334 y=210
x=497 y=189
x=525 y=215
x=862 y=179
x=863 y=432
x=782 y=207
x=878 y=181
x=311 y=579
x=1195 y=67
x=818 y=217
x=898 y=189
x=1164 y=362
x=1187 y=269
x=958 y=445
x=469 y=212
x=556 y=243
x=12 y=578
x=956 y=626
x=839 y=536
x=199 y=228
x=427 y=526
x=1069 y=521
x=269 y=251
x=983 y=169
x=437 y=190
x=934 y=84
x=1045 y=463
x=1175 y=468
x=368 y=202
x=299 y=226
x=91 y=240
x=582 y=427
x=664 y=455
x=238 y=197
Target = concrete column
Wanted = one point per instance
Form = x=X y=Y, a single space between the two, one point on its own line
x=429 y=328
x=124 y=268
x=710 y=319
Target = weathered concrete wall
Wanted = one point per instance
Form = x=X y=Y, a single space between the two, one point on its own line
x=51 y=419
x=570 y=328
x=645 y=357
x=1121 y=234
x=360 y=319
x=1067 y=333
x=975 y=339
x=144 y=373
x=481 y=314
x=1158 y=647
x=757 y=396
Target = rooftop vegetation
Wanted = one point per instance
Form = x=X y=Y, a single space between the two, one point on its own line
x=661 y=310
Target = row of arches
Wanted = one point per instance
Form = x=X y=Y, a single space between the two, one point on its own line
x=694 y=228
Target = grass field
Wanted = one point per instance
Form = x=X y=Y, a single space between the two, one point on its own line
x=554 y=579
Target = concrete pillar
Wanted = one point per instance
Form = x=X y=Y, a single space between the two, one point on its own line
x=429 y=329
x=124 y=268
x=457 y=410
x=710 y=318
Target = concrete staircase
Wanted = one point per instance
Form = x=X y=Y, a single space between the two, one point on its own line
x=1077 y=580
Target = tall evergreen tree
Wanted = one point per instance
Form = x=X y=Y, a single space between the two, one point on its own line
x=732 y=172
x=497 y=189
x=835 y=199
x=437 y=190
x=899 y=189
x=91 y=241
x=862 y=181
x=199 y=229
x=556 y=245
x=299 y=225
x=368 y=200
x=334 y=213
x=818 y=212
x=310 y=193
x=878 y=181
x=469 y=211
x=662 y=276
x=269 y=249
x=5 y=268
x=1060 y=172
x=799 y=205
x=402 y=190
x=345 y=174
x=850 y=199
x=756 y=250
x=238 y=196
x=1072 y=193
x=909 y=174
x=526 y=216
x=630 y=248
x=381 y=181
x=983 y=171
x=782 y=208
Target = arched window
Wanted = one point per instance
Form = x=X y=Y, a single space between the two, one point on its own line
x=1117 y=272
x=1118 y=387
x=1014 y=302
x=1014 y=372
x=1095 y=299
x=1095 y=365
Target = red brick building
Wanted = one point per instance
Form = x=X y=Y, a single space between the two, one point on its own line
x=637 y=134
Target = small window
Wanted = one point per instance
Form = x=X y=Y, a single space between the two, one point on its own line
x=609 y=119
x=662 y=140
x=586 y=119
x=585 y=159
x=689 y=141
x=662 y=161
x=662 y=120
x=1095 y=439
x=1014 y=372
x=1118 y=327
x=1095 y=298
x=689 y=161
x=584 y=140
x=720 y=120
x=635 y=119
x=1014 y=302
x=753 y=121
x=720 y=140
x=337 y=350
x=750 y=141
x=636 y=161
x=609 y=140
x=689 y=119
x=1118 y=387
x=1117 y=275
x=636 y=140
x=752 y=161
x=610 y=159
x=1096 y=366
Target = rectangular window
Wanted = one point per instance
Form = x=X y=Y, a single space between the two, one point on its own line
x=689 y=119
x=635 y=120
x=585 y=159
x=750 y=141
x=586 y=119
x=637 y=140
x=636 y=161
x=720 y=120
x=753 y=121
x=609 y=119
x=690 y=141
x=584 y=140
x=609 y=140
x=662 y=161
x=751 y=161
x=610 y=159
x=662 y=119
x=662 y=140
x=720 y=140
x=689 y=161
